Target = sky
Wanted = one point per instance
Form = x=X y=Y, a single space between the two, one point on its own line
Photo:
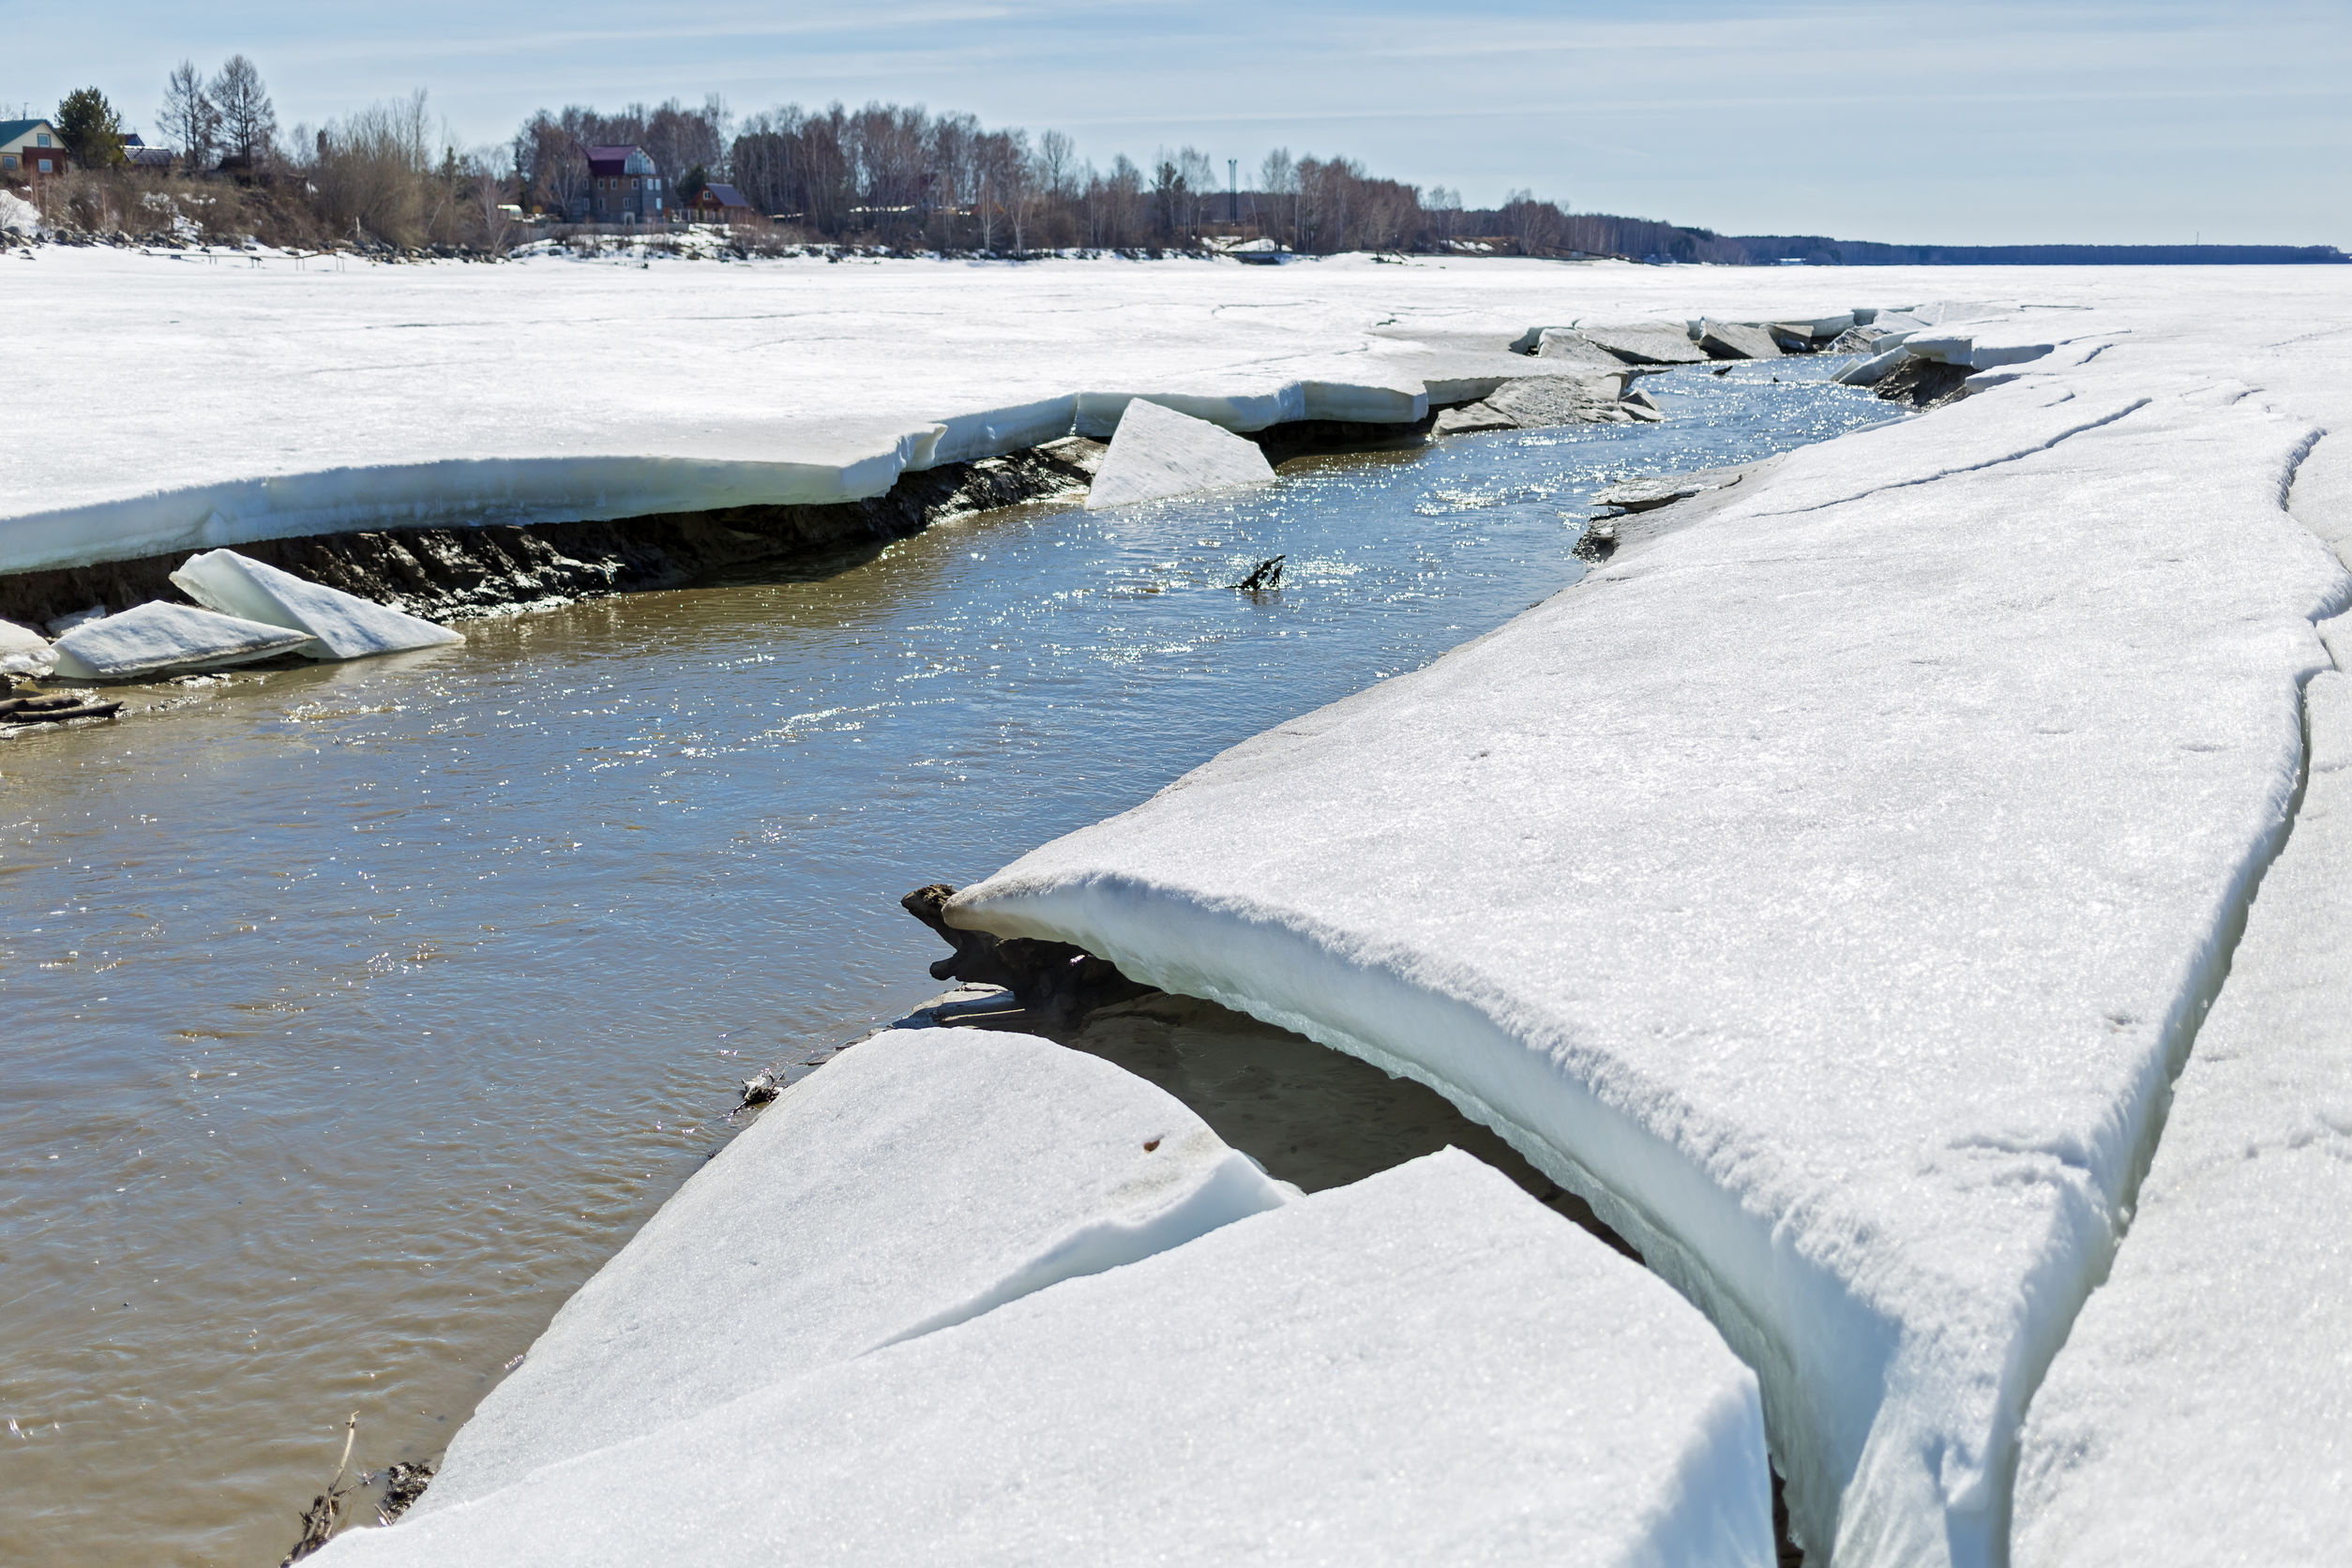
x=1980 y=123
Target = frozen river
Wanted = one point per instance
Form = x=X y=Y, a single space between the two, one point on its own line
x=356 y=1014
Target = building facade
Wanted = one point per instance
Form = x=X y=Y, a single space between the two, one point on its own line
x=30 y=147
x=623 y=188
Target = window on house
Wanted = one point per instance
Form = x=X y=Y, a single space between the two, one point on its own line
x=41 y=139
x=47 y=168
x=8 y=162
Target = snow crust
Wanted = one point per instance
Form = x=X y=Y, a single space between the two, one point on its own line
x=1158 y=452
x=339 y=625
x=926 y=1177
x=17 y=215
x=1426 y=1366
x=1826 y=889
x=161 y=639
x=2201 y=1411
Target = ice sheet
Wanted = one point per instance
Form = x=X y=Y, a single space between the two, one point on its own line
x=162 y=638
x=339 y=624
x=924 y=1177
x=1824 y=889
x=1158 y=452
x=2201 y=1411
x=1426 y=1366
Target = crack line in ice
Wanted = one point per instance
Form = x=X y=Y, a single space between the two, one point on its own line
x=2125 y=412
x=2208 y=974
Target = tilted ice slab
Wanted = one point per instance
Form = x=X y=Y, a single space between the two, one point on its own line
x=1158 y=452
x=162 y=638
x=339 y=624
x=2201 y=1411
x=25 y=651
x=1426 y=1366
x=1823 y=889
x=922 y=1178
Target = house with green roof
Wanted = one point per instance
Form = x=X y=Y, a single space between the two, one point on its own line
x=30 y=147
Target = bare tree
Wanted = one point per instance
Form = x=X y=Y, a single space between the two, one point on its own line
x=188 y=117
x=248 y=121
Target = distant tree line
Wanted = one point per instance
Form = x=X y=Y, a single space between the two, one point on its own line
x=887 y=174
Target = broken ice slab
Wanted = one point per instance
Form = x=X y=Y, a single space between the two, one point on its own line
x=162 y=638
x=337 y=625
x=25 y=651
x=1426 y=1367
x=2201 y=1410
x=1730 y=341
x=1642 y=495
x=923 y=1175
x=1646 y=342
x=1157 y=452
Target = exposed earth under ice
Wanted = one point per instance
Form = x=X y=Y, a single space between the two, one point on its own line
x=1426 y=1367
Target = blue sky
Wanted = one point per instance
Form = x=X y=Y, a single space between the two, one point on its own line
x=1984 y=123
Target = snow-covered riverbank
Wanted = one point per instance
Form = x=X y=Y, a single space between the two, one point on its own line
x=1827 y=889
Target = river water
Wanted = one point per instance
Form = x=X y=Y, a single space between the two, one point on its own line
x=354 y=1015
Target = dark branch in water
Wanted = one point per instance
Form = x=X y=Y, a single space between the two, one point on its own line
x=1049 y=978
x=326 y=1509
x=1267 y=575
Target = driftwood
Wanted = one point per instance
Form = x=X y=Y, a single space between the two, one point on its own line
x=53 y=709
x=1049 y=978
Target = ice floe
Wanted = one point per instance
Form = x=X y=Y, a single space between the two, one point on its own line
x=162 y=638
x=2201 y=1411
x=920 y=1179
x=25 y=651
x=337 y=625
x=1425 y=1366
x=1823 y=889
x=1730 y=341
x=1644 y=342
x=1158 y=452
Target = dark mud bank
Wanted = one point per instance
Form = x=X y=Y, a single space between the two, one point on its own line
x=453 y=573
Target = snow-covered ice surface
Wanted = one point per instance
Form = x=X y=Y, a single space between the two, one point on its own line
x=1157 y=452
x=161 y=639
x=1426 y=1367
x=1827 y=889
x=240 y=398
x=921 y=1179
x=2201 y=1411
x=339 y=624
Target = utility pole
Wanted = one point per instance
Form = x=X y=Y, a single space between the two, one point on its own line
x=1232 y=190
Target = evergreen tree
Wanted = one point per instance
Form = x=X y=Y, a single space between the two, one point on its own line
x=90 y=128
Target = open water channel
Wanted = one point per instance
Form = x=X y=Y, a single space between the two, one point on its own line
x=352 y=1015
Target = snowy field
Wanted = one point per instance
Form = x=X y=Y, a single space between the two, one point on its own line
x=1830 y=890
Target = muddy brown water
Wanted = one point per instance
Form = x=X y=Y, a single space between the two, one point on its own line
x=352 y=1015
